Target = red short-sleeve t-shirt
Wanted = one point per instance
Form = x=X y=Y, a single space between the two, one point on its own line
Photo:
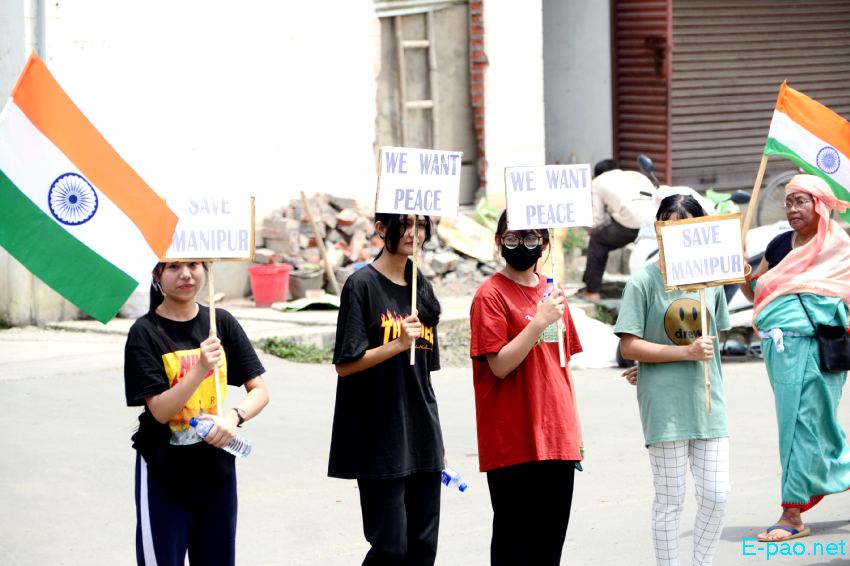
x=530 y=414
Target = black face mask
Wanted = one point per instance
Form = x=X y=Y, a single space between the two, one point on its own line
x=521 y=258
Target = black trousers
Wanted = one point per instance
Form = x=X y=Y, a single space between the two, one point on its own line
x=608 y=236
x=401 y=519
x=531 y=510
x=166 y=529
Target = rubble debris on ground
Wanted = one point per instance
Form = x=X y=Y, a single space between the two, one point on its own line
x=458 y=257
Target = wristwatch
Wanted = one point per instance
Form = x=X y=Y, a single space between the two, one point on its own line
x=241 y=414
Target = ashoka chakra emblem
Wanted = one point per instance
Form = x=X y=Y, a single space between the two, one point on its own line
x=72 y=199
x=828 y=160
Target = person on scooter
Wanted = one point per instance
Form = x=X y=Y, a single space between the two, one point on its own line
x=622 y=202
x=803 y=281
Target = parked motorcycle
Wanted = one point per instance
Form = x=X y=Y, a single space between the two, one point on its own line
x=646 y=251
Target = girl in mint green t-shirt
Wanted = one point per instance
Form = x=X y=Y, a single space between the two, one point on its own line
x=662 y=330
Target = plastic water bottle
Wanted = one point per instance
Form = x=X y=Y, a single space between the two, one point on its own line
x=452 y=479
x=238 y=446
x=550 y=333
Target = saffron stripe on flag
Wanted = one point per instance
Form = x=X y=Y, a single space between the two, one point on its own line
x=32 y=163
x=60 y=260
x=806 y=145
x=822 y=122
x=50 y=109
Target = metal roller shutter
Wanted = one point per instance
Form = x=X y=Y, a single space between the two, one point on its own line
x=640 y=32
x=729 y=58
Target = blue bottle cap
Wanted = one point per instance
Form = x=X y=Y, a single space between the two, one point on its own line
x=193 y=422
x=549 y=280
x=462 y=487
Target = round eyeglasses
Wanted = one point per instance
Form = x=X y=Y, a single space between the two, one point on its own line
x=798 y=203
x=530 y=241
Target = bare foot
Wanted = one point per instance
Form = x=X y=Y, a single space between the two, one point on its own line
x=790 y=518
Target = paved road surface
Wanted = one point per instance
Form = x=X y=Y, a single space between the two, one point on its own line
x=67 y=468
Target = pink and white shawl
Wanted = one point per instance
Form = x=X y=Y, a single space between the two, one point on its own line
x=822 y=265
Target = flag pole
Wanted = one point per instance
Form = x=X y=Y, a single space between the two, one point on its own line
x=413 y=281
x=754 y=197
x=705 y=368
x=213 y=333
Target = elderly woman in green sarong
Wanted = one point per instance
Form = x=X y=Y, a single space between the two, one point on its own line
x=804 y=280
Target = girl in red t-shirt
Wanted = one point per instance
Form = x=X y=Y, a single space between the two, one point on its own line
x=528 y=440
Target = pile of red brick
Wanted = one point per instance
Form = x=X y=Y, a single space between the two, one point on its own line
x=347 y=230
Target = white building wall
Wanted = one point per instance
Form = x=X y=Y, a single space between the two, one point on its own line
x=513 y=99
x=24 y=299
x=262 y=97
x=577 y=55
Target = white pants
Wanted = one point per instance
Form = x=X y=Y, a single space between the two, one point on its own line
x=710 y=467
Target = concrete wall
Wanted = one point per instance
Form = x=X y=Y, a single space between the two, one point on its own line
x=453 y=111
x=12 y=44
x=262 y=97
x=23 y=298
x=514 y=134
x=577 y=71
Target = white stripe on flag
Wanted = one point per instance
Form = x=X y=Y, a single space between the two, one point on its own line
x=806 y=145
x=32 y=163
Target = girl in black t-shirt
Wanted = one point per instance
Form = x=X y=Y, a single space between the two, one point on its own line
x=185 y=487
x=386 y=429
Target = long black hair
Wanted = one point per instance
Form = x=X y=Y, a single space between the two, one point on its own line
x=396 y=225
x=156 y=296
x=680 y=205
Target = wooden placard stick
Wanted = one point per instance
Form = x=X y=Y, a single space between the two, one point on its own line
x=321 y=243
x=213 y=333
x=561 y=353
x=705 y=366
x=754 y=198
x=413 y=281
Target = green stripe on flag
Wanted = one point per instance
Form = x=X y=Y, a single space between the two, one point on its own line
x=56 y=257
x=774 y=147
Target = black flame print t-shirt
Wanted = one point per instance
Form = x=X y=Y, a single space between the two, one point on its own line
x=386 y=423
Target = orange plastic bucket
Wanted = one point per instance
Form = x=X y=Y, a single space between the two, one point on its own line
x=269 y=283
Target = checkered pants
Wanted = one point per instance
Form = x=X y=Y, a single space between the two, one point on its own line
x=710 y=467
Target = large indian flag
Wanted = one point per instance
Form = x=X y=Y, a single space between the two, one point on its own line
x=812 y=136
x=71 y=210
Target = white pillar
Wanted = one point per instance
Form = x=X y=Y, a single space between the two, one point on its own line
x=513 y=92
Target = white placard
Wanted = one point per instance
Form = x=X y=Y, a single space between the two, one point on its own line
x=212 y=226
x=419 y=181
x=703 y=250
x=548 y=196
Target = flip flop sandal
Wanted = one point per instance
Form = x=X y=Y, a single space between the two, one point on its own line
x=792 y=533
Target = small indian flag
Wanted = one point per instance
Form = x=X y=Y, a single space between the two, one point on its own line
x=71 y=210
x=812 y=136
